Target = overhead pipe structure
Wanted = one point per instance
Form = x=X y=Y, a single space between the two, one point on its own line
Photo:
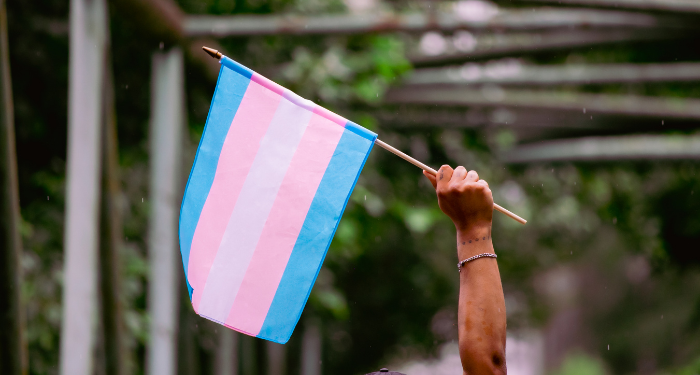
x=503 y=19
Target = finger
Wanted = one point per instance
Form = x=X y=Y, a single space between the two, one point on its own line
x=459 y=174
x=444 y=175
x=472 y=176
x=431 y=178
x=483 y=182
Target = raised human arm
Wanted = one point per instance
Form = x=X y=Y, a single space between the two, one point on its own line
x=482 y=311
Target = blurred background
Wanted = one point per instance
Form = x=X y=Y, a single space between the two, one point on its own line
x=583 y=116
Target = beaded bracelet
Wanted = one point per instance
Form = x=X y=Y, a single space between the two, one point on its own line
x=462 y=263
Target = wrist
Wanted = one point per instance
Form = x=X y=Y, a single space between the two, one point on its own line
x=473 y=229
x=474 y=240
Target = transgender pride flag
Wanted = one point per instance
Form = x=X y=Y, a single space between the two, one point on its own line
x=268 y=187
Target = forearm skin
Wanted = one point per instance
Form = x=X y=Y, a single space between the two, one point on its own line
x=482 y=309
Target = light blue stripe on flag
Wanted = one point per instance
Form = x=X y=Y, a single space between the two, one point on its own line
x=227 y=98
x=236 y=67
x=316 y=234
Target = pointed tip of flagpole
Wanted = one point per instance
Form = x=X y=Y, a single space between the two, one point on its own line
x=212 y=52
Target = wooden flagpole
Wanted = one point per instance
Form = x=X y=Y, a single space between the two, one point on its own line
x=432 y=171
x=217 y=55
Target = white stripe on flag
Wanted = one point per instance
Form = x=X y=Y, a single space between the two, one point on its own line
x=252 y=209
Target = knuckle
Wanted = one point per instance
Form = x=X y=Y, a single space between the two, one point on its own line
x=452 y=190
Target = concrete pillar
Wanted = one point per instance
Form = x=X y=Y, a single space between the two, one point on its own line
x=88 y=35
x=311 y=349
x=167 y=123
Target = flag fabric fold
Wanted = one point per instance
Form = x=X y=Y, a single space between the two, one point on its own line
x=270 y=181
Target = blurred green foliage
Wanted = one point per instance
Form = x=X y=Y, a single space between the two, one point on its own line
x=691 y=369
x=580 y=364
x=360 y=70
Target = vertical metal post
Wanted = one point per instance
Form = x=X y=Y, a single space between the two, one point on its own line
x=311 y=349
x=13 y=350
x=276 y=358
x=249 y=355
x=188 y=356
x=111 y=235
x=167 y=123
x=88 y=24
x=227 y=354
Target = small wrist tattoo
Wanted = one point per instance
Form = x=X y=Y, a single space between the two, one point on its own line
x=484 y=238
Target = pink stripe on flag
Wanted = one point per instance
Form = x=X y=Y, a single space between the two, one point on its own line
x=267 y=83
x=237 y=154
x=331 y=116
x=282 y=228
x=287 y=94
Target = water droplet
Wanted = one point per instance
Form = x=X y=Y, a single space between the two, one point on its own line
x=141 y=200
x=365 y=197
x=584 y=110
x=608 y=346
x=47 y=197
